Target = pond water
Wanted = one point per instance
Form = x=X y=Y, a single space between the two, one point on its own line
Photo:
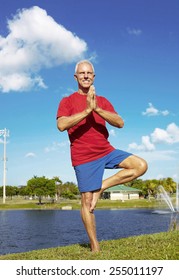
x=26 y=230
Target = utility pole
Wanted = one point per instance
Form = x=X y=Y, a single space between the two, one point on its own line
x=177 y=197
x=5 y=133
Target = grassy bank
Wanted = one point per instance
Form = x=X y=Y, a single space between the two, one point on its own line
x=160 y=246
x=19 y=203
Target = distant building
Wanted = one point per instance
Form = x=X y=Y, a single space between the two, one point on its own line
x=121 y=192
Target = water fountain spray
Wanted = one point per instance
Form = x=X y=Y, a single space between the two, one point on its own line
x=166 y=198
x=177 y=197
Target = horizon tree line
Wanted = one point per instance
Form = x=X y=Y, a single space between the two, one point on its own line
x=54 y=188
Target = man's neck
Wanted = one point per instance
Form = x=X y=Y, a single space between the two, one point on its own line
x=83 y=91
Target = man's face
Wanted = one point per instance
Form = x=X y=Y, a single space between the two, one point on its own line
x=85 y=75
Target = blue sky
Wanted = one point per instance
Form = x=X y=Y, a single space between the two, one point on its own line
x=134 y=46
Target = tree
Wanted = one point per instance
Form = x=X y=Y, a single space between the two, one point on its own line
x=169 y=185
x=58 y=184
x=137 y=183
x=41 y=186
x=23 y=191
x=1 y=191
x=11 y=191
x=150 y=188
x=69 y=190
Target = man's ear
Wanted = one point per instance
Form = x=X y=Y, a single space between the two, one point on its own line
x=75 y=77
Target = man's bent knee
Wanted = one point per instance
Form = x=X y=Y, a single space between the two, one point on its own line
x=136 y=163
x=140 y=166
x=143 y=165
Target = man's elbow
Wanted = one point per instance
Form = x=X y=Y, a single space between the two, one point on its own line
x=120 y=124
x=60 y=126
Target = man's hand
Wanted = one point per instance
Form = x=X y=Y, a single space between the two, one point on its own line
x=66 y=122
x=112 y=118
x=91 y=99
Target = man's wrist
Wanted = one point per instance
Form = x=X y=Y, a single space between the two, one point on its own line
x=88 y=111
x=98 y=110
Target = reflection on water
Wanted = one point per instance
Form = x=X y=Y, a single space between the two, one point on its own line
x=26 y=230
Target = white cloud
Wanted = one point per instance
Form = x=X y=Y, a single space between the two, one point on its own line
x=134 y=31
x=146 y=145
x=152 y=111
x=160 y=155
x=35 y=41
x=165 y=112
x=20 y=82
x=169 y=136
x=112 y=132
x=30 y=155
x=56 y=146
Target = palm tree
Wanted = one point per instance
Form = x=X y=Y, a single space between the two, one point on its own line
x=58 y=184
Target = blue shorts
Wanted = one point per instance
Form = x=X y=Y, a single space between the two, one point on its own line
x=89 y=175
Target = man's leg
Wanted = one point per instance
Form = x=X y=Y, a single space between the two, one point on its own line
x=88 y=219
x=133 y=167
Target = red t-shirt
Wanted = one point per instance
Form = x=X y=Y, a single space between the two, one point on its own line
x=88 y=138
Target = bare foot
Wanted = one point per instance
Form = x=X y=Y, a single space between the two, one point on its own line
x=95 y=248
x=96 y=196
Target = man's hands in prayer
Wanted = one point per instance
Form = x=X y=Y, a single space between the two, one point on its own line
x=91 y=99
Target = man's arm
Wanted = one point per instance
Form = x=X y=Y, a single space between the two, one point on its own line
x=64 y=123
x=111 y=118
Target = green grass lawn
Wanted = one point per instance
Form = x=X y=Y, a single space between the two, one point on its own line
x=160 y=246
x=20 y=203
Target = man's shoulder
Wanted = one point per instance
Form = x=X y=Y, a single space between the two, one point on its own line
x=102 y=98
x=71 y=96
x=68 y=98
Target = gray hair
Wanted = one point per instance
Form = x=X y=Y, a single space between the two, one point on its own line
x=81 y=62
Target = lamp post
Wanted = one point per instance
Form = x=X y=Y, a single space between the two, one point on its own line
x=5 y=133
x=177 y=197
